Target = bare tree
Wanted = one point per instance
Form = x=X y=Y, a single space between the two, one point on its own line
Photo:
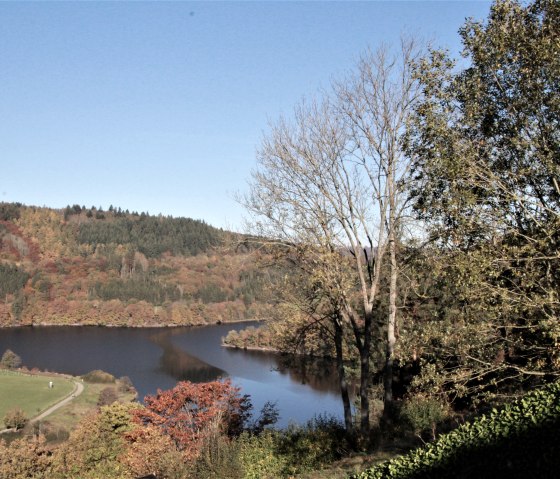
x=375 y=105
x=329 y=190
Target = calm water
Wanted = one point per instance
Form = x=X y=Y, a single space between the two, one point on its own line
x=158 y=358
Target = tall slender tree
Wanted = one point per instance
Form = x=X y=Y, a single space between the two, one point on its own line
x=329 y=190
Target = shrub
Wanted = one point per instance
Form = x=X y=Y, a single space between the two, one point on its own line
x=319 y=442
x=218 y=455
x=98 y=376
x=125 y=385
x=187 y=411
x=259 y=455
x=273 y=454
x=422 y=414
x=10 y=360
x=15 y=419
x=107 y=396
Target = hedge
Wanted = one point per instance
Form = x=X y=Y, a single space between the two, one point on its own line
x=520 y=440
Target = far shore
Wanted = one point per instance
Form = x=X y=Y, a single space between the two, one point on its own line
x=134 y=326
x=253 y=348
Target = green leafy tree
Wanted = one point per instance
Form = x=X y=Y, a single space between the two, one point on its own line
x=95 y=446
x=12 y=279
x=486 y=148
x=9 y=211
x=18 y=305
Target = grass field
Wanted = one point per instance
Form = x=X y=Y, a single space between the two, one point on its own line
x=30 y=393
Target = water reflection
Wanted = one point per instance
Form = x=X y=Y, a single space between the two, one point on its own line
x=319 y=374
x=182 y=366
x=301 y=388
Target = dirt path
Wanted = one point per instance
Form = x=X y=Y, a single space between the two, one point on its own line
x=78 y=389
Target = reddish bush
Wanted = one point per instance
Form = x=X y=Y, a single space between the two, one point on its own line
x=189 y=411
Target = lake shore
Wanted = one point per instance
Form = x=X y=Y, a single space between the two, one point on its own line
x=254 y=348
x=132 y=326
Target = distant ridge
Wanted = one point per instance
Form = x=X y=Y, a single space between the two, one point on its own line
x=86 y=266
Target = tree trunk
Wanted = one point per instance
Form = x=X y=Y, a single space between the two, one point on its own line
x=342 y=379
x=365 y=379
x=390 y=348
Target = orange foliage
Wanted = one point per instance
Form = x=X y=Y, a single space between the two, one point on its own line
x=66 y=278
x=150 y=451
x=187 y=412
x=26 y=457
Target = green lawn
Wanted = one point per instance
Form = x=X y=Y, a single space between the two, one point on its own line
x=30 y=393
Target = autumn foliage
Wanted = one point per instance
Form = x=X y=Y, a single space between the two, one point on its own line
x=24 y=458
x=119 y=269
x=189 y=412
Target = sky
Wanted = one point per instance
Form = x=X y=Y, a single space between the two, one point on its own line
x=161 y=106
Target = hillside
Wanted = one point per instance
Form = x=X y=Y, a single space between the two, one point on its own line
x=81 y=266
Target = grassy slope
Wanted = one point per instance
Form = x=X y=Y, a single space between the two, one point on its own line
x=31 y=393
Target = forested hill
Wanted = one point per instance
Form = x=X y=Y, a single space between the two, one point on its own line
x=88 y=266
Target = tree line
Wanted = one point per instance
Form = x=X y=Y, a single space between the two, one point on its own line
x=152 y=235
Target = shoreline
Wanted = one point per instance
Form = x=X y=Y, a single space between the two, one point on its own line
x=264 y=349
x=145 y=326
x=254 y=348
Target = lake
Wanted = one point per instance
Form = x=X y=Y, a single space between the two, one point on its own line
x=159 y=357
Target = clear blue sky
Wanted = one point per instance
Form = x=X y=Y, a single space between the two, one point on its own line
x=160 y=107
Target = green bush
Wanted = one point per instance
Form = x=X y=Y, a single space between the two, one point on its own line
x=423 y=414
x=219 y=457
x=98 y=376
x=320 y=442
x=259 y=455
x=271 y=454
x=520 y=440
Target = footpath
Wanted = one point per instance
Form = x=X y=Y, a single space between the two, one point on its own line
x=78 y=389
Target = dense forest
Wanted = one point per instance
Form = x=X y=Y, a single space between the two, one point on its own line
x=88 y=266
